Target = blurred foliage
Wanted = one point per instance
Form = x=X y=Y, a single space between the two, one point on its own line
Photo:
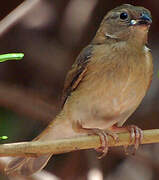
x=3 y=58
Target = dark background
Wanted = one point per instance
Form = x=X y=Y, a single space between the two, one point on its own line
x=51 y=34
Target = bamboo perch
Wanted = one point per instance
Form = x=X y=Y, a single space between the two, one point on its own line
x=67 y=145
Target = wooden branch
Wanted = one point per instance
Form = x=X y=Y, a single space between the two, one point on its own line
x=67 y=145
x=18 y=13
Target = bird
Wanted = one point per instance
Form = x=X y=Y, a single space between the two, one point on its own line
x=104 y=86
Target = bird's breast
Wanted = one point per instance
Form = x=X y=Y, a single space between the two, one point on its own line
x=117 y=80
x=112 y=88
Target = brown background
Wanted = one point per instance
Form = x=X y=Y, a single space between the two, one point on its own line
x=51 y=35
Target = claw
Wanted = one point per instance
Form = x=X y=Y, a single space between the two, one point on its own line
x=104 y=143
x=103 y=134
x=136 y=136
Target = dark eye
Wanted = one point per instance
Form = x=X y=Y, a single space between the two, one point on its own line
x=123 y=16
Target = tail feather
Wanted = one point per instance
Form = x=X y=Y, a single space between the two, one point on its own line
x=59 y=128
x=27 y=166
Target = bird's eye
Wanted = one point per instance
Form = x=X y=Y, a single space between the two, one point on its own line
x=123 y=16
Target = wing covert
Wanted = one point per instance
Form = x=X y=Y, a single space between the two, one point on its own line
x=76 y=74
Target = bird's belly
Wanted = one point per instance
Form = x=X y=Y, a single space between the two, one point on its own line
x=107 y=104
x=106 y=111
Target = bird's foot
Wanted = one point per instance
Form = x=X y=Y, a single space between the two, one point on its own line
x=103 y=135
x=136 y=135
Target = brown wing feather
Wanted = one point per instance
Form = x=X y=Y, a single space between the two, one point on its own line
x=76 y=74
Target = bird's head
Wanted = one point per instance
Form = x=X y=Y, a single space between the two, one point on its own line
x=125 y=22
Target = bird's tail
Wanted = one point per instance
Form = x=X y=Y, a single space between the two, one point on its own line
x=27 y=165
x=59 y=128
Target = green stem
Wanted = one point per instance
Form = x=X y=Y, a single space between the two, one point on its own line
x=11 y=56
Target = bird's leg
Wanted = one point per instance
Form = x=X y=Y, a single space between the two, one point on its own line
x=103 y=135
x=136 y=134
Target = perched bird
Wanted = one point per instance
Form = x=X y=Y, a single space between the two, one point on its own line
x=105 y=85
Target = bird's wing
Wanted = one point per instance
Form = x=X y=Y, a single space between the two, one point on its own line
x=77 y=72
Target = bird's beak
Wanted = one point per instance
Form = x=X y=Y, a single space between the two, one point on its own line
x=144 y=19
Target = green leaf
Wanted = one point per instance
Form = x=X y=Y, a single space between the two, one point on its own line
x=158 y=74
x=11 y=56
x=3 y=137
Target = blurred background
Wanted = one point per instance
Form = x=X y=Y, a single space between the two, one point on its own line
x=51 y=34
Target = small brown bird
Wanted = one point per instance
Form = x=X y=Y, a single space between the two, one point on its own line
x=105 y=85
